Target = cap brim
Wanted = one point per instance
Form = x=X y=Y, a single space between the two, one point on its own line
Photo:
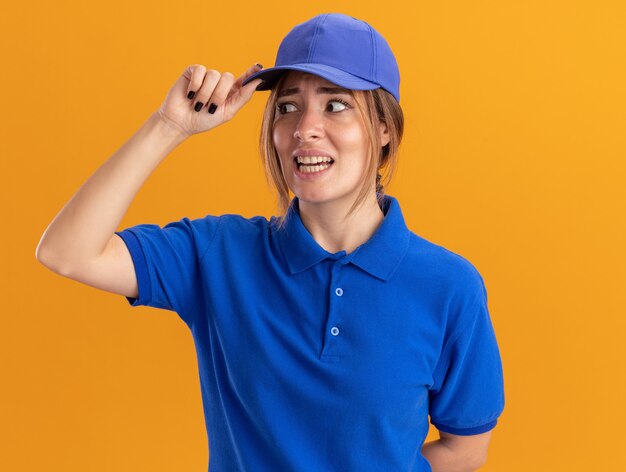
x=336 y=76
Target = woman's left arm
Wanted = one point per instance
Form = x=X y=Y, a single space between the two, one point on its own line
x=455 y=453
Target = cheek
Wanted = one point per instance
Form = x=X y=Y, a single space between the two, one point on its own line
x=281 y=144
x=280 y=136
x=349 y=130
x=354 y=142
x=353 y=134
x=275 y=135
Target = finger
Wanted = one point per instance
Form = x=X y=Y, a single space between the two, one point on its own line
x=246 y=92
x=239 y=95
x=252 y=70
x=195 y=74
x=211 y=78
x=220 y=93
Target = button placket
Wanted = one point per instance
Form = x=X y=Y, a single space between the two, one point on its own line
x=333 y=321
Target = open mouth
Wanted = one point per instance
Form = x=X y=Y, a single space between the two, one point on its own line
x=310 y=164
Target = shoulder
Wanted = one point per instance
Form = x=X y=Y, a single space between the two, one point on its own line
x=229 y=223
x=204 y=231
x=452 y=283
x=448 y=269
x=234 y=222
x=239 y=234
x=230 y=238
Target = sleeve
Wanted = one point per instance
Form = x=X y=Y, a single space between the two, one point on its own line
x=168 y=261
x=468 y=394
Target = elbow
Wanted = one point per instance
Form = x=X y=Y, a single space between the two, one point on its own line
x=40 y=255
x=49 y=261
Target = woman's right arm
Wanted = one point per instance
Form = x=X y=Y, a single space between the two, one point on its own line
x=80 y=243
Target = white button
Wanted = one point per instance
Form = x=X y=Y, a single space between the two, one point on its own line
x=334 y=331
x=339 y=291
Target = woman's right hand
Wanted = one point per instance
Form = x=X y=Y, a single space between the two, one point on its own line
x=210 y=87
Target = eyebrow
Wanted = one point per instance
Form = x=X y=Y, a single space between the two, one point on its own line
x=328 y=90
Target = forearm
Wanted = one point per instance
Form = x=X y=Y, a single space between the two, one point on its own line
x=443 y=458
x=84 y=226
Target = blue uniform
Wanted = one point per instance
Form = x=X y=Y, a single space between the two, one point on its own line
x=314 y=361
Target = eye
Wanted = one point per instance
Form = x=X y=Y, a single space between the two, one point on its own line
x=343 y=104
x=280 y=107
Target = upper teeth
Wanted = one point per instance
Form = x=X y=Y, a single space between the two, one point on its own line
x=312 y=159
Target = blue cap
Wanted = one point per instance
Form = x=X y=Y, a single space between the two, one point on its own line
x=341 y=49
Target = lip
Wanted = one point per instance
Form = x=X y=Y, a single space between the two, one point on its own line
x=310 y=175
x=312 y=152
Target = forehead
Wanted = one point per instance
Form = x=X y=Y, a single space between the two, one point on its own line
x=295 y=78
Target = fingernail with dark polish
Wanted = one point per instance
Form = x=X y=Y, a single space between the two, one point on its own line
x=212 y=108
x=260 y=66
x=198 y=106
x=191 y=94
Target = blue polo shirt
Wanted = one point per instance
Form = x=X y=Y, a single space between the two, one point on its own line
x=314 y=361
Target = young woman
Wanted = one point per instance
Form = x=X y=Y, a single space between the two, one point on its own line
x=327 y=335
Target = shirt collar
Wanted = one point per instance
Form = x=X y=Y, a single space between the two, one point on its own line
x=379 y=256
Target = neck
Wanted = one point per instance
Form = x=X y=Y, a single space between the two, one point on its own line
x=326 y=223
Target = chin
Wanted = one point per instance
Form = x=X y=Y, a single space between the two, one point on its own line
x=320 y=197
x=311 y=197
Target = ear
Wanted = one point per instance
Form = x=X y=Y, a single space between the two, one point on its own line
x=384 y=133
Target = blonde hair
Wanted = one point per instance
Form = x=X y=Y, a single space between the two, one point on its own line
x=375 y=106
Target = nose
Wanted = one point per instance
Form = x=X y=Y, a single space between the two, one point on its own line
x=310 y=126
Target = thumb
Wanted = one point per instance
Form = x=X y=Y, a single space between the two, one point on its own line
x=242 y=96
x=239 y=95
x=248 y=90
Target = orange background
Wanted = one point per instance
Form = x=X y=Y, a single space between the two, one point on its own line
x=514 y=156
